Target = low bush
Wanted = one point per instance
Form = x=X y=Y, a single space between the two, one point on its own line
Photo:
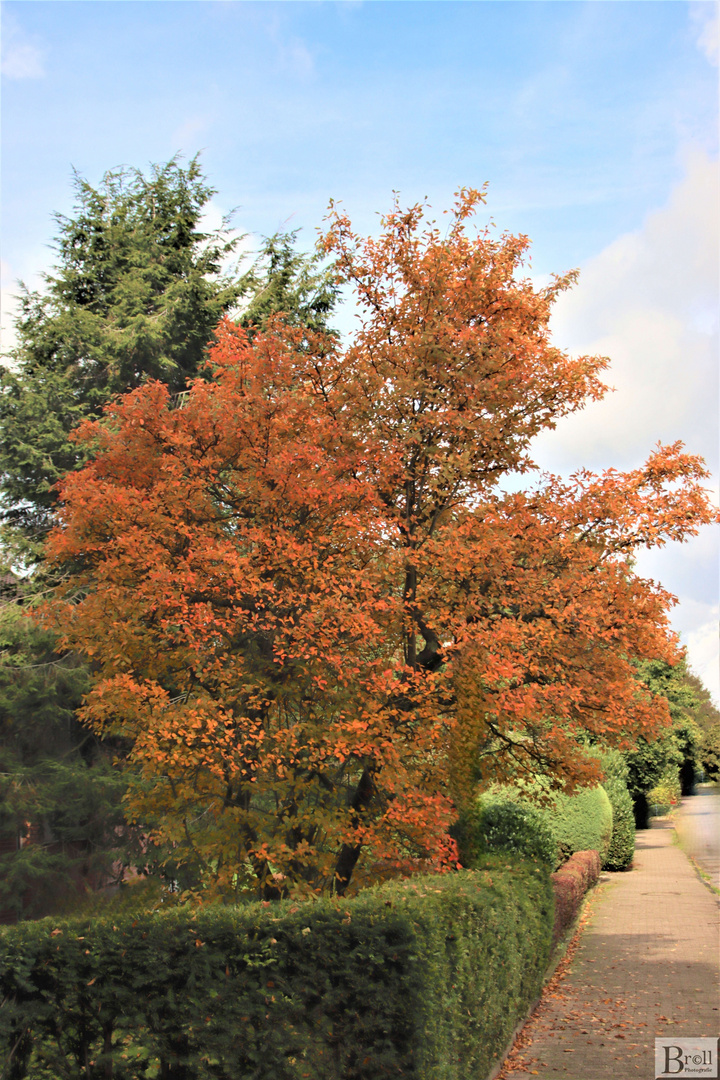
x=620 y=851
x=424 y=978
x=496 y=823
x=505 y=818
x=570 y=883
x=581 y=822
x=621 y=848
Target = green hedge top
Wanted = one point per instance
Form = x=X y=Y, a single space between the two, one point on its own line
x=424 y=978
x=496 y=823
x=570 y=823
x=582 y=821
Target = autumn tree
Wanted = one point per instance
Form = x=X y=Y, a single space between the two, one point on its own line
x=310 y=608
x=137 y=290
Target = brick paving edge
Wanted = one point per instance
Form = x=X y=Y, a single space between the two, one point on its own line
x=702 y=875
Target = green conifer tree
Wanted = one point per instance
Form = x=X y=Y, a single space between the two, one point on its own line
x=136 y=292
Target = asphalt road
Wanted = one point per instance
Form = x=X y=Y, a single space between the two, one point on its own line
x=697 y=824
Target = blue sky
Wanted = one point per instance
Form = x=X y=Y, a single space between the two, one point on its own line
x=594 y=123
x=573 y=112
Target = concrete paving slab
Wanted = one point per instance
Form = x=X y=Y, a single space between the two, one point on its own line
x=647 y=964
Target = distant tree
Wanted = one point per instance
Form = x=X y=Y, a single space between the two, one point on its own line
x=677 y=751
x=707 y=717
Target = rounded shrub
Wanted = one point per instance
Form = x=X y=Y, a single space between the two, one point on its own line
x=621 y=849
x=497 y=824
x=581 y=822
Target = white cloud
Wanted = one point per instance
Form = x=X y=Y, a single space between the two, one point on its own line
x=690 y=571
x=649 y=301
x=292 y=54
x=699 y=628
x=704 y=17
x=21 y=58
x=212 y=220
x=703 y=650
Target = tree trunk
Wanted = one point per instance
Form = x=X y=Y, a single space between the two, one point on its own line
x=350 y=853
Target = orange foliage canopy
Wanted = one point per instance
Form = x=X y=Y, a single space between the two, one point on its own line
x=309 y=608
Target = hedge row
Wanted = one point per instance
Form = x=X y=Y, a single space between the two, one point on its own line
x=581 y=822
x=504 y=819
x=496 y=823
x=423 y=979
x=620 y=852
x=570 y=883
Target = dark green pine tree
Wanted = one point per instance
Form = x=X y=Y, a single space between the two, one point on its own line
x=136 y=292
x=61 y=821
x=287 y=281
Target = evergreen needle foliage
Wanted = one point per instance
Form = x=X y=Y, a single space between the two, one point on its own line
x=621 y=849
x=136 y=293
x=423 y=979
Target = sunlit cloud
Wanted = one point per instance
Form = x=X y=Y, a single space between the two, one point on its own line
x=649 y=302
x=703 y=651
x=21 y=57
x=704 y=16
x=292 y=53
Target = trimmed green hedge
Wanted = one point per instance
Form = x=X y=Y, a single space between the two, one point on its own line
x=621 y=848
x=579 y=822
x=583 y=821
x=424 y=979
x=496 y=823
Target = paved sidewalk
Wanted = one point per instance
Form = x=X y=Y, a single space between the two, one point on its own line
x=647 y=964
